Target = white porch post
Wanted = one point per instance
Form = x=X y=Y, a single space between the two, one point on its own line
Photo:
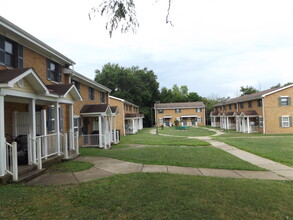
x=57 y=127
x=100 y=131
x=133 y=126
x=228 y=125
x=111 y=133
x=2 y=138
x=115 y=135
x=248 y=127
x=44 y=132
x=71 y=127
x=32 y=128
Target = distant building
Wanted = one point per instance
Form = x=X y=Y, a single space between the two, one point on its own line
x=269 y=112
x=187 y=113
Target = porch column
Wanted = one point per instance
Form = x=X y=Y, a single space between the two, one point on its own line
x=71 y=127
x=111 y=125
x=2 y=138
x=44 y=132
x=32 y=128
x=115 y=136
x=57 y=128
x=248 y=127
x=100 y=131
x=133 y=126
x=228 y=125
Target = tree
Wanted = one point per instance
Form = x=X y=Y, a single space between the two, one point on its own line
x=279 y=85
x=133 y=84
x=247 y=90
x=121 y=12
x=194 y=97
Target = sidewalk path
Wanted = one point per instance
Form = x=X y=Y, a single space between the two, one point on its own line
x=104 y=167
x=268 y=164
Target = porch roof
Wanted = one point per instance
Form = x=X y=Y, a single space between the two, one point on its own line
x=8 y=77
x=249 y=113
x=64 y=90
x=214 y=113
x=115 y=109
x=228 y=113
x=133 y=115
x=96 y=110
x=167 y=116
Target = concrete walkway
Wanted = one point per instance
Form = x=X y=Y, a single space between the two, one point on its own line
x=268 y=164
x=107 y=167
x=104 y=167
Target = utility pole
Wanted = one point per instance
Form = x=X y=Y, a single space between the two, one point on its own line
x=156 y=115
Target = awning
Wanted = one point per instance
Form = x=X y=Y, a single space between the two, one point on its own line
x=167 y=116
x=188 y=116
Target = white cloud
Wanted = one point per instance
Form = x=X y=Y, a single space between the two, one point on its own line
x=215 y=46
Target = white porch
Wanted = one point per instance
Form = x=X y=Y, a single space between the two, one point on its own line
x=246 y=123
x=23 y=103
x=133 y=124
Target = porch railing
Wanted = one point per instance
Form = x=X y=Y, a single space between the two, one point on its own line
x=11 y=160
x=93 y=140
x=115 y=137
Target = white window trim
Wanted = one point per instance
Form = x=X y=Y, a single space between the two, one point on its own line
x=288 y=121
x=287 y=100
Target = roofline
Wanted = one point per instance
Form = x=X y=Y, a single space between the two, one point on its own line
x=89 y=81
x=17 y=30
x=123 y=100
x=277 y=90
x=179 y=107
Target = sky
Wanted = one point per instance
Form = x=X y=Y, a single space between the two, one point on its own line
x=214 y=46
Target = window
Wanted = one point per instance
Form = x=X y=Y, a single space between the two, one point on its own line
x=285 y=121
x=54 y=71
x=198 y=110
x=241 y=105
x=224 y=107
x=260 y=121
x=235 y=106
x=77 y=85
x=259 y=103
x=161 y=121
x=102 y=97
x=161 y=111
x=11 y=53
x=284 y=101
x=51 y=119
x=230 y=107
x=91 y=94
x=199 y=119
x=249 y=104
x=177 y=110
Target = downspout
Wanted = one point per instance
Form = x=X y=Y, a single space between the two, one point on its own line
x=263 y=116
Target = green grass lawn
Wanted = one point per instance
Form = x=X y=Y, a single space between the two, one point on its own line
x=151 y=196
x=192 y=132
x=279 y=149
x=201 y=157
x=69 y=167
x=145 y=137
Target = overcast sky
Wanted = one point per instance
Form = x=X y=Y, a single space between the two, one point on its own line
x=214 y=47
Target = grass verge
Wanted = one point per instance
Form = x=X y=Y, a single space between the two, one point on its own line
x=145 y=137
x=192 y=132
x=279 y=149
x=151 y=196
x=69 y=167
x=201 y=157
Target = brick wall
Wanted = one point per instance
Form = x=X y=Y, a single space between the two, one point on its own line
x=191 y=111
x=273 y=111
x=120 y=116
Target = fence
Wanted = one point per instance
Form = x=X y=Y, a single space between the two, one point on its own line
x=11 y=160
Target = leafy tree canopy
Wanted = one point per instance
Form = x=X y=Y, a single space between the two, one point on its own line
x=133 y=84
x=247 y=90
x=279 y=85
x=120 y=13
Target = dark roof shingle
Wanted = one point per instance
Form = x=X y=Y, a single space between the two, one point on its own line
x=9 y=74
